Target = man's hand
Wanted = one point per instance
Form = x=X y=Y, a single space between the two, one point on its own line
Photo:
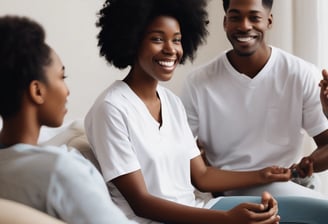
x=302 y=169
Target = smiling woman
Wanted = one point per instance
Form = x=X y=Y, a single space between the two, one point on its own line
x=161 y=50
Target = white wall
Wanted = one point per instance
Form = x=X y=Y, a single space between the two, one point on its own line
x=71 y=31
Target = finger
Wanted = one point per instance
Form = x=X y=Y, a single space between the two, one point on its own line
x=325 y=74
x=310 y=169
x=304 y=171
x=293 y=166
x=306 y=167
x=266 y=198
x=269 y=216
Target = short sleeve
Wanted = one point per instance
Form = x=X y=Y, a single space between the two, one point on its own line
x=78 y=194
x=110 y=140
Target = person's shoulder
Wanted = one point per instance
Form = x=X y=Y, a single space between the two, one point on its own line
x=295 y=66
x=113 y=95
x=52 y=154
x=36 y=159
x=209 y=68
x=290 y=58
x=38 y=150
x=111 y=92
x=69 y=161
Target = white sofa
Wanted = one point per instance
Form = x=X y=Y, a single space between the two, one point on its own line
x=16 y=213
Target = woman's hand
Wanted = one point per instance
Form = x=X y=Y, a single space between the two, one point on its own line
x=264 y=213
x=274 y=173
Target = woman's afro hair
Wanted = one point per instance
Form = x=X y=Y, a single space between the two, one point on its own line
x=122 y=25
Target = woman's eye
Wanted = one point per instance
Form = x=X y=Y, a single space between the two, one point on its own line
x=157 y=39
x=177 y=40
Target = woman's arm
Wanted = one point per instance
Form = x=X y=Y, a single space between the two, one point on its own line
x=210 y=179
x=154 y=208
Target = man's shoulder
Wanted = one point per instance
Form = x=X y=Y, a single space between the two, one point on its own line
x=210 y=68
x=290 y=58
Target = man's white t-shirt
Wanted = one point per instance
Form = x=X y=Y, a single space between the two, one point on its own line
x=59 y=182
x=249 y=124
x=126 y=138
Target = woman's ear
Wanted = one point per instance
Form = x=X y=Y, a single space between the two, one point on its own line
x=270 y=21
x=37 y=92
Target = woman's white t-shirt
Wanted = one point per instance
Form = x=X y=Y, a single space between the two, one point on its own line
x=126 y=138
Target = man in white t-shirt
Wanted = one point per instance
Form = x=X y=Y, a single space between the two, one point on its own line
x=249 y=106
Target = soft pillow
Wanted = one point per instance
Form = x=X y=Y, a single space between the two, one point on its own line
x=61 y=135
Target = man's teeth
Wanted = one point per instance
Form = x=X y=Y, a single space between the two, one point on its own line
x=244 y=39
x=166 y=63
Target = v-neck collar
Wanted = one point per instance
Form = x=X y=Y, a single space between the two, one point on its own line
x=136 y=101
x=244 y=79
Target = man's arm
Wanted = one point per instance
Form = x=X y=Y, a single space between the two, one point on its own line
x=324 y=91
x=317 y=161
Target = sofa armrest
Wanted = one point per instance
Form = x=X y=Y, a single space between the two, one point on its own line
x=16 y=213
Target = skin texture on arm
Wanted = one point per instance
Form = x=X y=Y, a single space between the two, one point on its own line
x=320 y=156
x=210 y=179
x=202 y=171
x=148 y=206
x=317 y=161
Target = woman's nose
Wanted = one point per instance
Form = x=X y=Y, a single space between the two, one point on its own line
x=168 y=48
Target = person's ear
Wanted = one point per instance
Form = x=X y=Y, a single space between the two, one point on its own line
x=270 y=21
x=224 y=22
x=37 y=92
